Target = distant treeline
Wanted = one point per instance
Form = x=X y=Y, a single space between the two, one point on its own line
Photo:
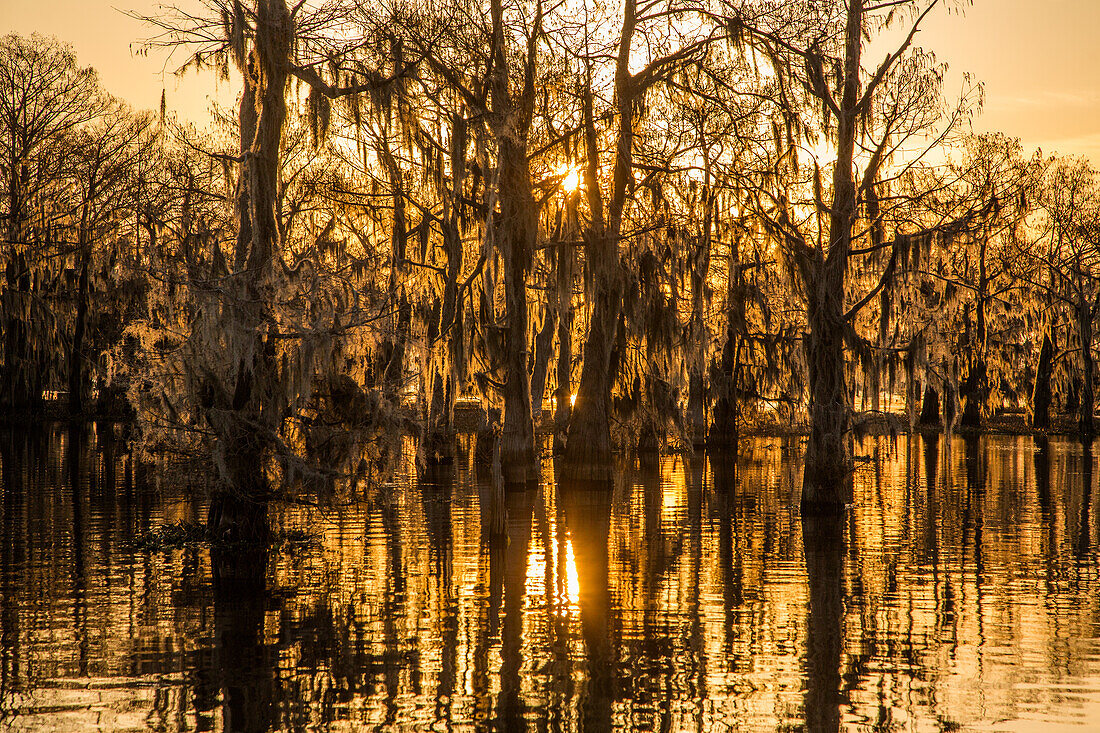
x=641 y=226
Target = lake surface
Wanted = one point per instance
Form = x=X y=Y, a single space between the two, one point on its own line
x=961 y=593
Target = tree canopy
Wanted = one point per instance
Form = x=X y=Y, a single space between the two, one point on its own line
x=643 y=226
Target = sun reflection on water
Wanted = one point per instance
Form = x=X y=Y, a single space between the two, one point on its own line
x=572 y=583
x=968 y=567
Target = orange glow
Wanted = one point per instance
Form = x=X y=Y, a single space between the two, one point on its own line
x=572 y=584
x=571 y=178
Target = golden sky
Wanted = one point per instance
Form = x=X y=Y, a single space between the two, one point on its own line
x=1039 y=60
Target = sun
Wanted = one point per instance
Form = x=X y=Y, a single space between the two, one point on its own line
x=571 y=178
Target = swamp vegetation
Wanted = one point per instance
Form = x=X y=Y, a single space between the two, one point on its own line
x=429 y=384
x=643 y=228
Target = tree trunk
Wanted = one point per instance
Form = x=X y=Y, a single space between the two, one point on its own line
x=972 y=390
x=544 y=346
x=697 y=360
x=723 y=429
x=248 y=430
x=564 y=391
x=516 y=232
x=517 y=229
x=20 y=377
x=930 y=406
x=827 y=480
x=393 y=349
x=1041 y=395
x=77 y=380
x=588 y=449
x=975 y=388
x=440 y=428
x=826 y=484
x=1086 y=403
x=438 y=447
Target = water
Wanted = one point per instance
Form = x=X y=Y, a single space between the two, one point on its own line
x=961 y=594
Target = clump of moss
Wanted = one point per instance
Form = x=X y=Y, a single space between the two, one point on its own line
x=173 y=536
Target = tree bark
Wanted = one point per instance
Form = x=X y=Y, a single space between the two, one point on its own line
x=20 y=378
x=828 y=474
x=723 y=429
x=392 y=362
x=517 y=229
x=975 y=388
x=697 y=362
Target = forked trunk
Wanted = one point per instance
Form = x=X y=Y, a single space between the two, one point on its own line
x=588 y=449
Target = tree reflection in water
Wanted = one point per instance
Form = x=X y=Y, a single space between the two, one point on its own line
x=588 y=522
x=243 y=669
x=825 y=548
x=688 y=596
x=510 y=705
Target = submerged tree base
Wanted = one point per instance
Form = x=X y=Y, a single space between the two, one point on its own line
x=826 y=484
x=588 y=454
x=584 y=470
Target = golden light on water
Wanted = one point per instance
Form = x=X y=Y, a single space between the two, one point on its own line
x=572 y=584
x=695 y=587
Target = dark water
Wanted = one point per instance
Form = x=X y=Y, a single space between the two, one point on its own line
x=961 y=594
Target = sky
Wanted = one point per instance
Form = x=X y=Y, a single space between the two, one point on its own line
x=1039 y=61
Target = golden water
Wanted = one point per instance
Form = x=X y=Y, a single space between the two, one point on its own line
x=961 y=593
